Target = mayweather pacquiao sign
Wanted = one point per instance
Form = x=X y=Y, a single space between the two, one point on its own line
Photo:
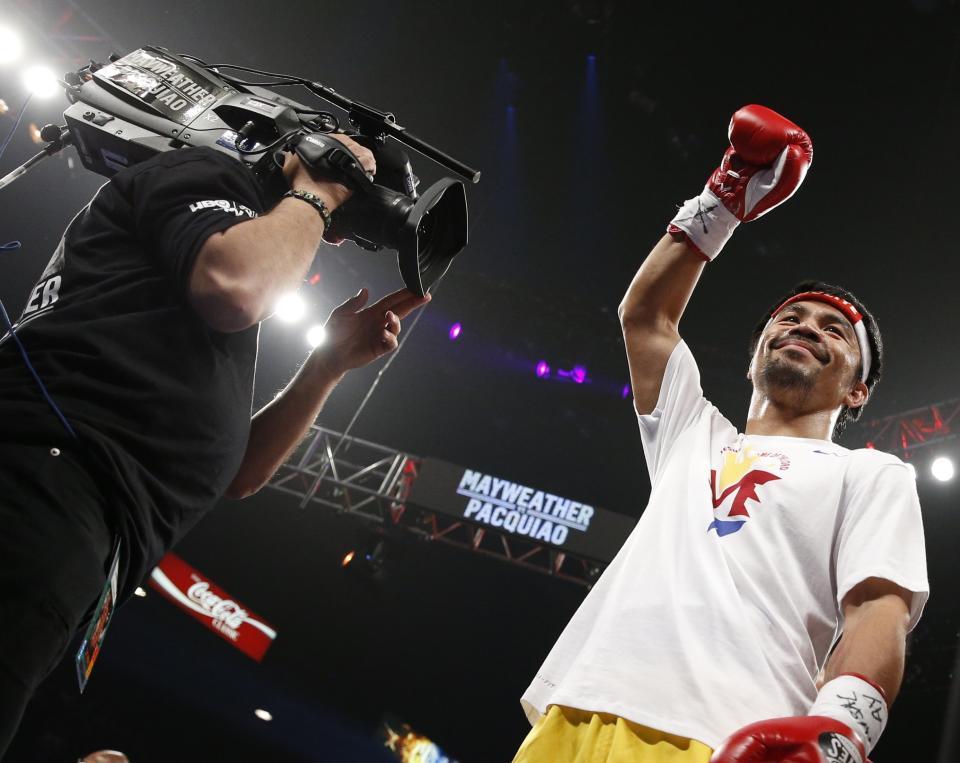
x=519 y=510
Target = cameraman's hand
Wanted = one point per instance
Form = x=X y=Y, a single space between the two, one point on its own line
x=298 y=175
x=357 y=336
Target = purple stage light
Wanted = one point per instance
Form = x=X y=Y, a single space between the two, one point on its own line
x=454 y=332
x=625 y=392
x=543 y=369
x=578 y=374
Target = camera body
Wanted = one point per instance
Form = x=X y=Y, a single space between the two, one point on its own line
x=151 y=101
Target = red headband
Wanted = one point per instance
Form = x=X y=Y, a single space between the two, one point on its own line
x=850 y=311
x=847 y=308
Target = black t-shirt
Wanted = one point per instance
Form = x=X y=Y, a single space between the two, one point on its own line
x=160 y=400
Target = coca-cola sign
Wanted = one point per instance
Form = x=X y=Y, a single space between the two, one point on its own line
x=212 y=606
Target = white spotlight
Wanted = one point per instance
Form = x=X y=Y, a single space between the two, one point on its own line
x=316 y=335
x=290 y=308
x=263 y=715
x=10 y=45
x=942 y=468
x=41 y=81
x=140 y=592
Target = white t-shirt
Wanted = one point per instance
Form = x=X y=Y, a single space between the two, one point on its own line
x=723 y=604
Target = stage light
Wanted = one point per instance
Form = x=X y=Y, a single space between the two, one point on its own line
x=316 y=335
x=10 y=45
x=578 y=374
x=290 y=308
x=41 y=81
x=942 y=469
x=912 y=469
x=314 y=279
x=543 y=370
x=263 y=715
x=35 y=135
x=3 y=107
x=625 y=392
x=365 y=562
x=140 y=592
x=454 y=332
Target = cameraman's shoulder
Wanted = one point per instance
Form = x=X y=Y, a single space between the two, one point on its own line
x=186 y=157
x=189 y=170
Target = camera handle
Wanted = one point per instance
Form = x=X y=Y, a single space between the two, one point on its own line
x=331 y=159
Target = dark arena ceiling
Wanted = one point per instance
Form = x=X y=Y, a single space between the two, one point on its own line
x=591 y=122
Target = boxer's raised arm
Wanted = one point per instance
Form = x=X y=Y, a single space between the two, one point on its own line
x=650 y=313
x=767 y=160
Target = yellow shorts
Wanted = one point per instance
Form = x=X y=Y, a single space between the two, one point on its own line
x=566 y=735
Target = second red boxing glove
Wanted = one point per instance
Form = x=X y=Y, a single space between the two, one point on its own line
x=806 y=739
x=842 y=726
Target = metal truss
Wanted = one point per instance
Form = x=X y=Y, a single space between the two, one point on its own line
x=903 y=433
x=372 y=482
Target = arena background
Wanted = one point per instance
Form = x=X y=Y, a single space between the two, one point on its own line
x=590 y=121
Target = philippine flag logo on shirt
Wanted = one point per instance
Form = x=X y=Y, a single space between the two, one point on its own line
x=737 y=483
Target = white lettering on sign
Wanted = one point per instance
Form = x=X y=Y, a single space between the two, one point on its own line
x=168 y=84
x=226 y=614
x=522 y=510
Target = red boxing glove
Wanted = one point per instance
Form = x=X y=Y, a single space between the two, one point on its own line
x=810 y=739
x=843 y=725
x=767 y=160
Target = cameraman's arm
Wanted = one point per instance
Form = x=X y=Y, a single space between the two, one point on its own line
x=356 y=336
x=651 y=310
x=239 y=273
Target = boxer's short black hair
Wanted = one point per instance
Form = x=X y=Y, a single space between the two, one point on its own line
x=873 y=336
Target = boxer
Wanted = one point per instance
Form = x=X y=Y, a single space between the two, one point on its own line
x=759 y=609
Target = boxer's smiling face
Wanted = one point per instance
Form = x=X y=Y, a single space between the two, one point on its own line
x=808 y=358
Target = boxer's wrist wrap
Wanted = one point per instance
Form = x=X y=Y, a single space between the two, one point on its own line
x=706 y=222
x=856 y=701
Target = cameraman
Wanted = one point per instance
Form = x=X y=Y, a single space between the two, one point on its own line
x=143 y=330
